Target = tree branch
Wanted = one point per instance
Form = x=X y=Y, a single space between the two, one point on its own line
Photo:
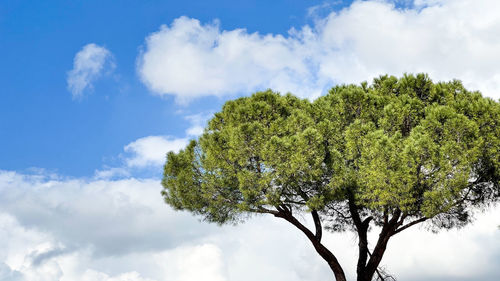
x=317 y=225
x=398 y=230
x=339 y=213
x=401 y=219
x=379 y=274
x=328 y=256
x=262 y=210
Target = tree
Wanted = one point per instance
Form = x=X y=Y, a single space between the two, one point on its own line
x=393 y=154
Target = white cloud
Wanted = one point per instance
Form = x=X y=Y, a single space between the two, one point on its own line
x=148 y=154
x=191 y=60
x=88 y=65
x=199 y=262
x=446 y=38
x=152 y=150
x=73 y=230
x=111 y=217
x=195 y=130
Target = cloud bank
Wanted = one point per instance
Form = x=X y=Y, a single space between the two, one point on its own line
x=448 y=39
x=58 y=229
x=88 y=65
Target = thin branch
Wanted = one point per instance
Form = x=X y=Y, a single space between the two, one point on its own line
x=262 y=210
x=409 y=225
x=395 y=217
x=401 y=219
x=295 y=202
x=340 y=214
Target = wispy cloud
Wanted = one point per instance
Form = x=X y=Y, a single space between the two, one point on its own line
x=317 y=12
x=111 y=172
x=447 y=39
x=88 y=65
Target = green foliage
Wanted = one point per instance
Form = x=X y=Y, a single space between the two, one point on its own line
x=430 y=150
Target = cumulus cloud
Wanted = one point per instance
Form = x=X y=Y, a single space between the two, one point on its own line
x=152 y=150
x=449 y=39
x=189 y=60
x=88 y=65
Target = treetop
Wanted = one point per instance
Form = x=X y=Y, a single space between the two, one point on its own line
x=429 y=150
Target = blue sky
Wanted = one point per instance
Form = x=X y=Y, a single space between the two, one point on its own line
x=42 y=126
x=94 y=93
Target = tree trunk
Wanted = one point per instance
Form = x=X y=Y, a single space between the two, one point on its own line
x=366 y=268
x=362 y=229
x=379 y=250
x=363 y=255
x=376 y=257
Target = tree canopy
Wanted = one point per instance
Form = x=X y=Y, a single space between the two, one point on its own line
x=394 y=153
